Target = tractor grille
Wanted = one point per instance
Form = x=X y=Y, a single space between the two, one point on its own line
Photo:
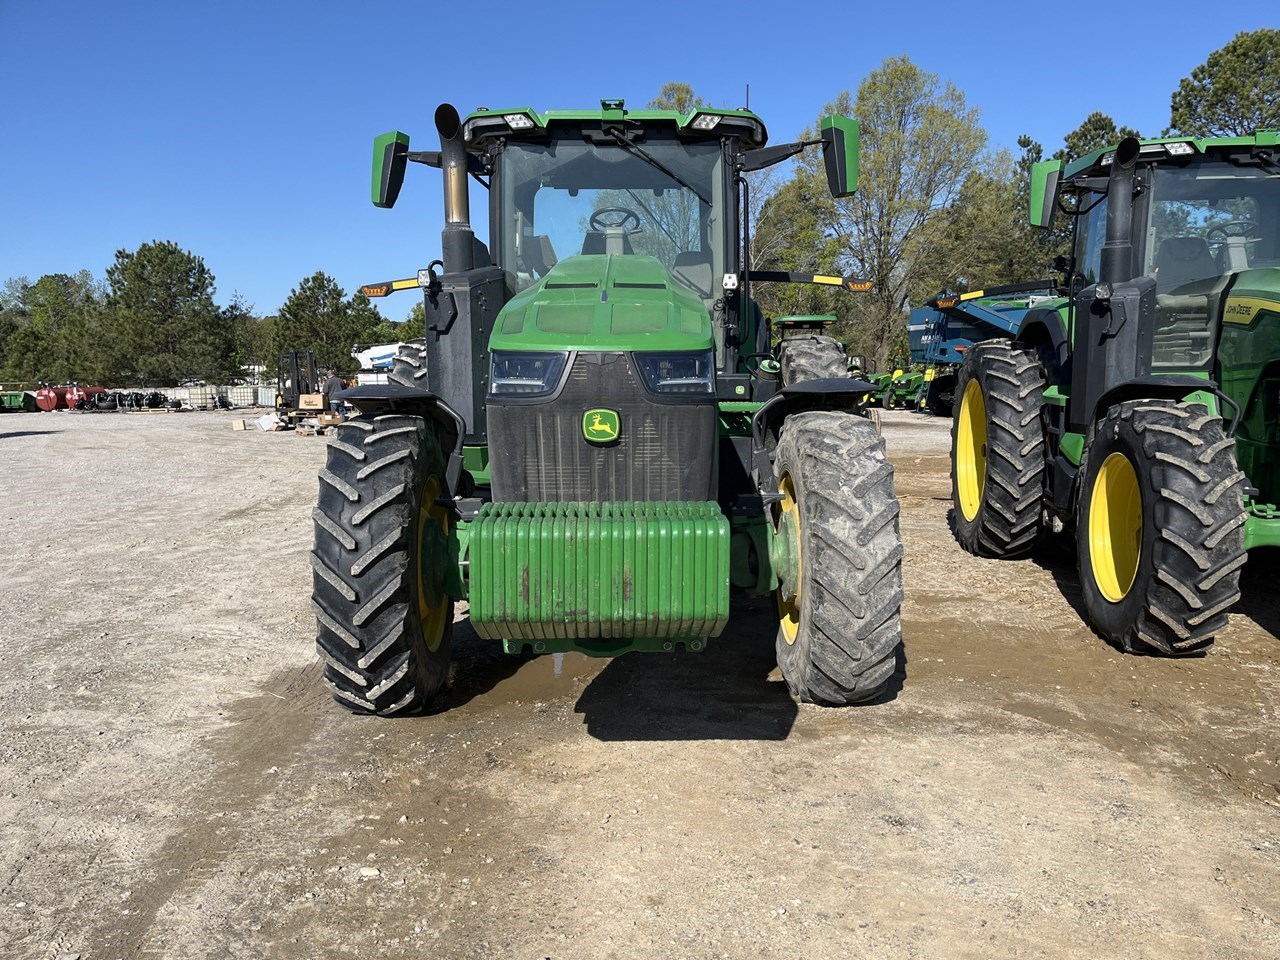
x=665 y=451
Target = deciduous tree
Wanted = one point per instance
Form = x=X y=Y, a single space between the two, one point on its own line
x=53 y=329
x=919 y=141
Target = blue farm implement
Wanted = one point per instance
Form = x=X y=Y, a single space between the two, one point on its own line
x=944 y=328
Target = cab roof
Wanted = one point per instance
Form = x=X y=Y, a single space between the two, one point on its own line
x=702 y=123
x=1098 y=161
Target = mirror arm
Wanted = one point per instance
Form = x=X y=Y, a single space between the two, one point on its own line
x=754 y=160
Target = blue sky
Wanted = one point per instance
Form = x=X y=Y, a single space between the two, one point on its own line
x=243 y=131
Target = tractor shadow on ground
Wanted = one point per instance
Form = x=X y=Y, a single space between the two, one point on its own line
x=10 y=434
x=1259 y=600
x=476 y=667
x=722 y=693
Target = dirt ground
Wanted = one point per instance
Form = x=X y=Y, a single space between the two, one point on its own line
x=175 y=781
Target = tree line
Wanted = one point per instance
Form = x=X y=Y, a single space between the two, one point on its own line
x=936 y=209
x=153 y=320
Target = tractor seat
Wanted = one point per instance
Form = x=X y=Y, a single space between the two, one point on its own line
x=594 y=242
x=1183 y=260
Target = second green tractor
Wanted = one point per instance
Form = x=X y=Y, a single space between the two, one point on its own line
x=1140 y=413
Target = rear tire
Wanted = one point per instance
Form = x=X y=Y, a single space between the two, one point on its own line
x=409 y=369
x=384 y=621
x=811 y=358
x=1160 y=526
x=998 y=450
x=839 y=629
x=872 y=415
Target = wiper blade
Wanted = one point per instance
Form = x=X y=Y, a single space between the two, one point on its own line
x=653 y=161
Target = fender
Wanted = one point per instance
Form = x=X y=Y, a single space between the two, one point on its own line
x=393 y=398
x=831 y=393
x=1167 y=386
x=1044 y=325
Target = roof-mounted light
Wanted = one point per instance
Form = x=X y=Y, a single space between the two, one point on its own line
x=1179 y=149
x=518 y=121
x=705 y=121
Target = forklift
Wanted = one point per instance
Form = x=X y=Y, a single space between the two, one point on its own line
x=298 y=393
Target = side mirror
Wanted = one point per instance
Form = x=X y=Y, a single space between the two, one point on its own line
x=840 y=154
x=390 y=157
x=1044 y=192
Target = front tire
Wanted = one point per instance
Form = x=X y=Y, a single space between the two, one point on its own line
x=940 y=395
x=384 y=619
x=998 y=459
x=839 y=629
x=1160 y=527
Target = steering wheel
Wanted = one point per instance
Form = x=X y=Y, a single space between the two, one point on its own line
x=623 y=217
x=1247 y=229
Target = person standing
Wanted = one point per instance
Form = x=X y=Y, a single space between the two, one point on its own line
x=332 y=384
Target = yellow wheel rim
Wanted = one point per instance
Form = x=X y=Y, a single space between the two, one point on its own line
x=1115 y=527
x=789 y=608
x=971 y=450
x=433 y=603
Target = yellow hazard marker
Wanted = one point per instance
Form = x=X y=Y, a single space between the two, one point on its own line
x=388 y=287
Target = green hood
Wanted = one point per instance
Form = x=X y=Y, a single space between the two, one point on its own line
x=604 y=302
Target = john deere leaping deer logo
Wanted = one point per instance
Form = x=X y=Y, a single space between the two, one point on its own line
x=601 y=426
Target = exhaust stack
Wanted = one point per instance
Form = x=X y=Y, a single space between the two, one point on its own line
x=458 y=239
x=1117 y=247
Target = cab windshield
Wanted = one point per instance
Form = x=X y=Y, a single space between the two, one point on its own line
x=572 y=197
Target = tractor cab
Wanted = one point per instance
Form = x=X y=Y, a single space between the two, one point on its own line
x=646 y=183
x=568 y=189
x=1201 y=220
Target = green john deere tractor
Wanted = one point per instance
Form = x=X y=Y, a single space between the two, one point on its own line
x=1142 y=410
x=592 y=444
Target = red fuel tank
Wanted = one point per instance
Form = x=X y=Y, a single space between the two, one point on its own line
x=76 y=394
x=51 y=398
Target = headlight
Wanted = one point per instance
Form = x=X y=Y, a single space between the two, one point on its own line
x=524 y=374
x=678 y=372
